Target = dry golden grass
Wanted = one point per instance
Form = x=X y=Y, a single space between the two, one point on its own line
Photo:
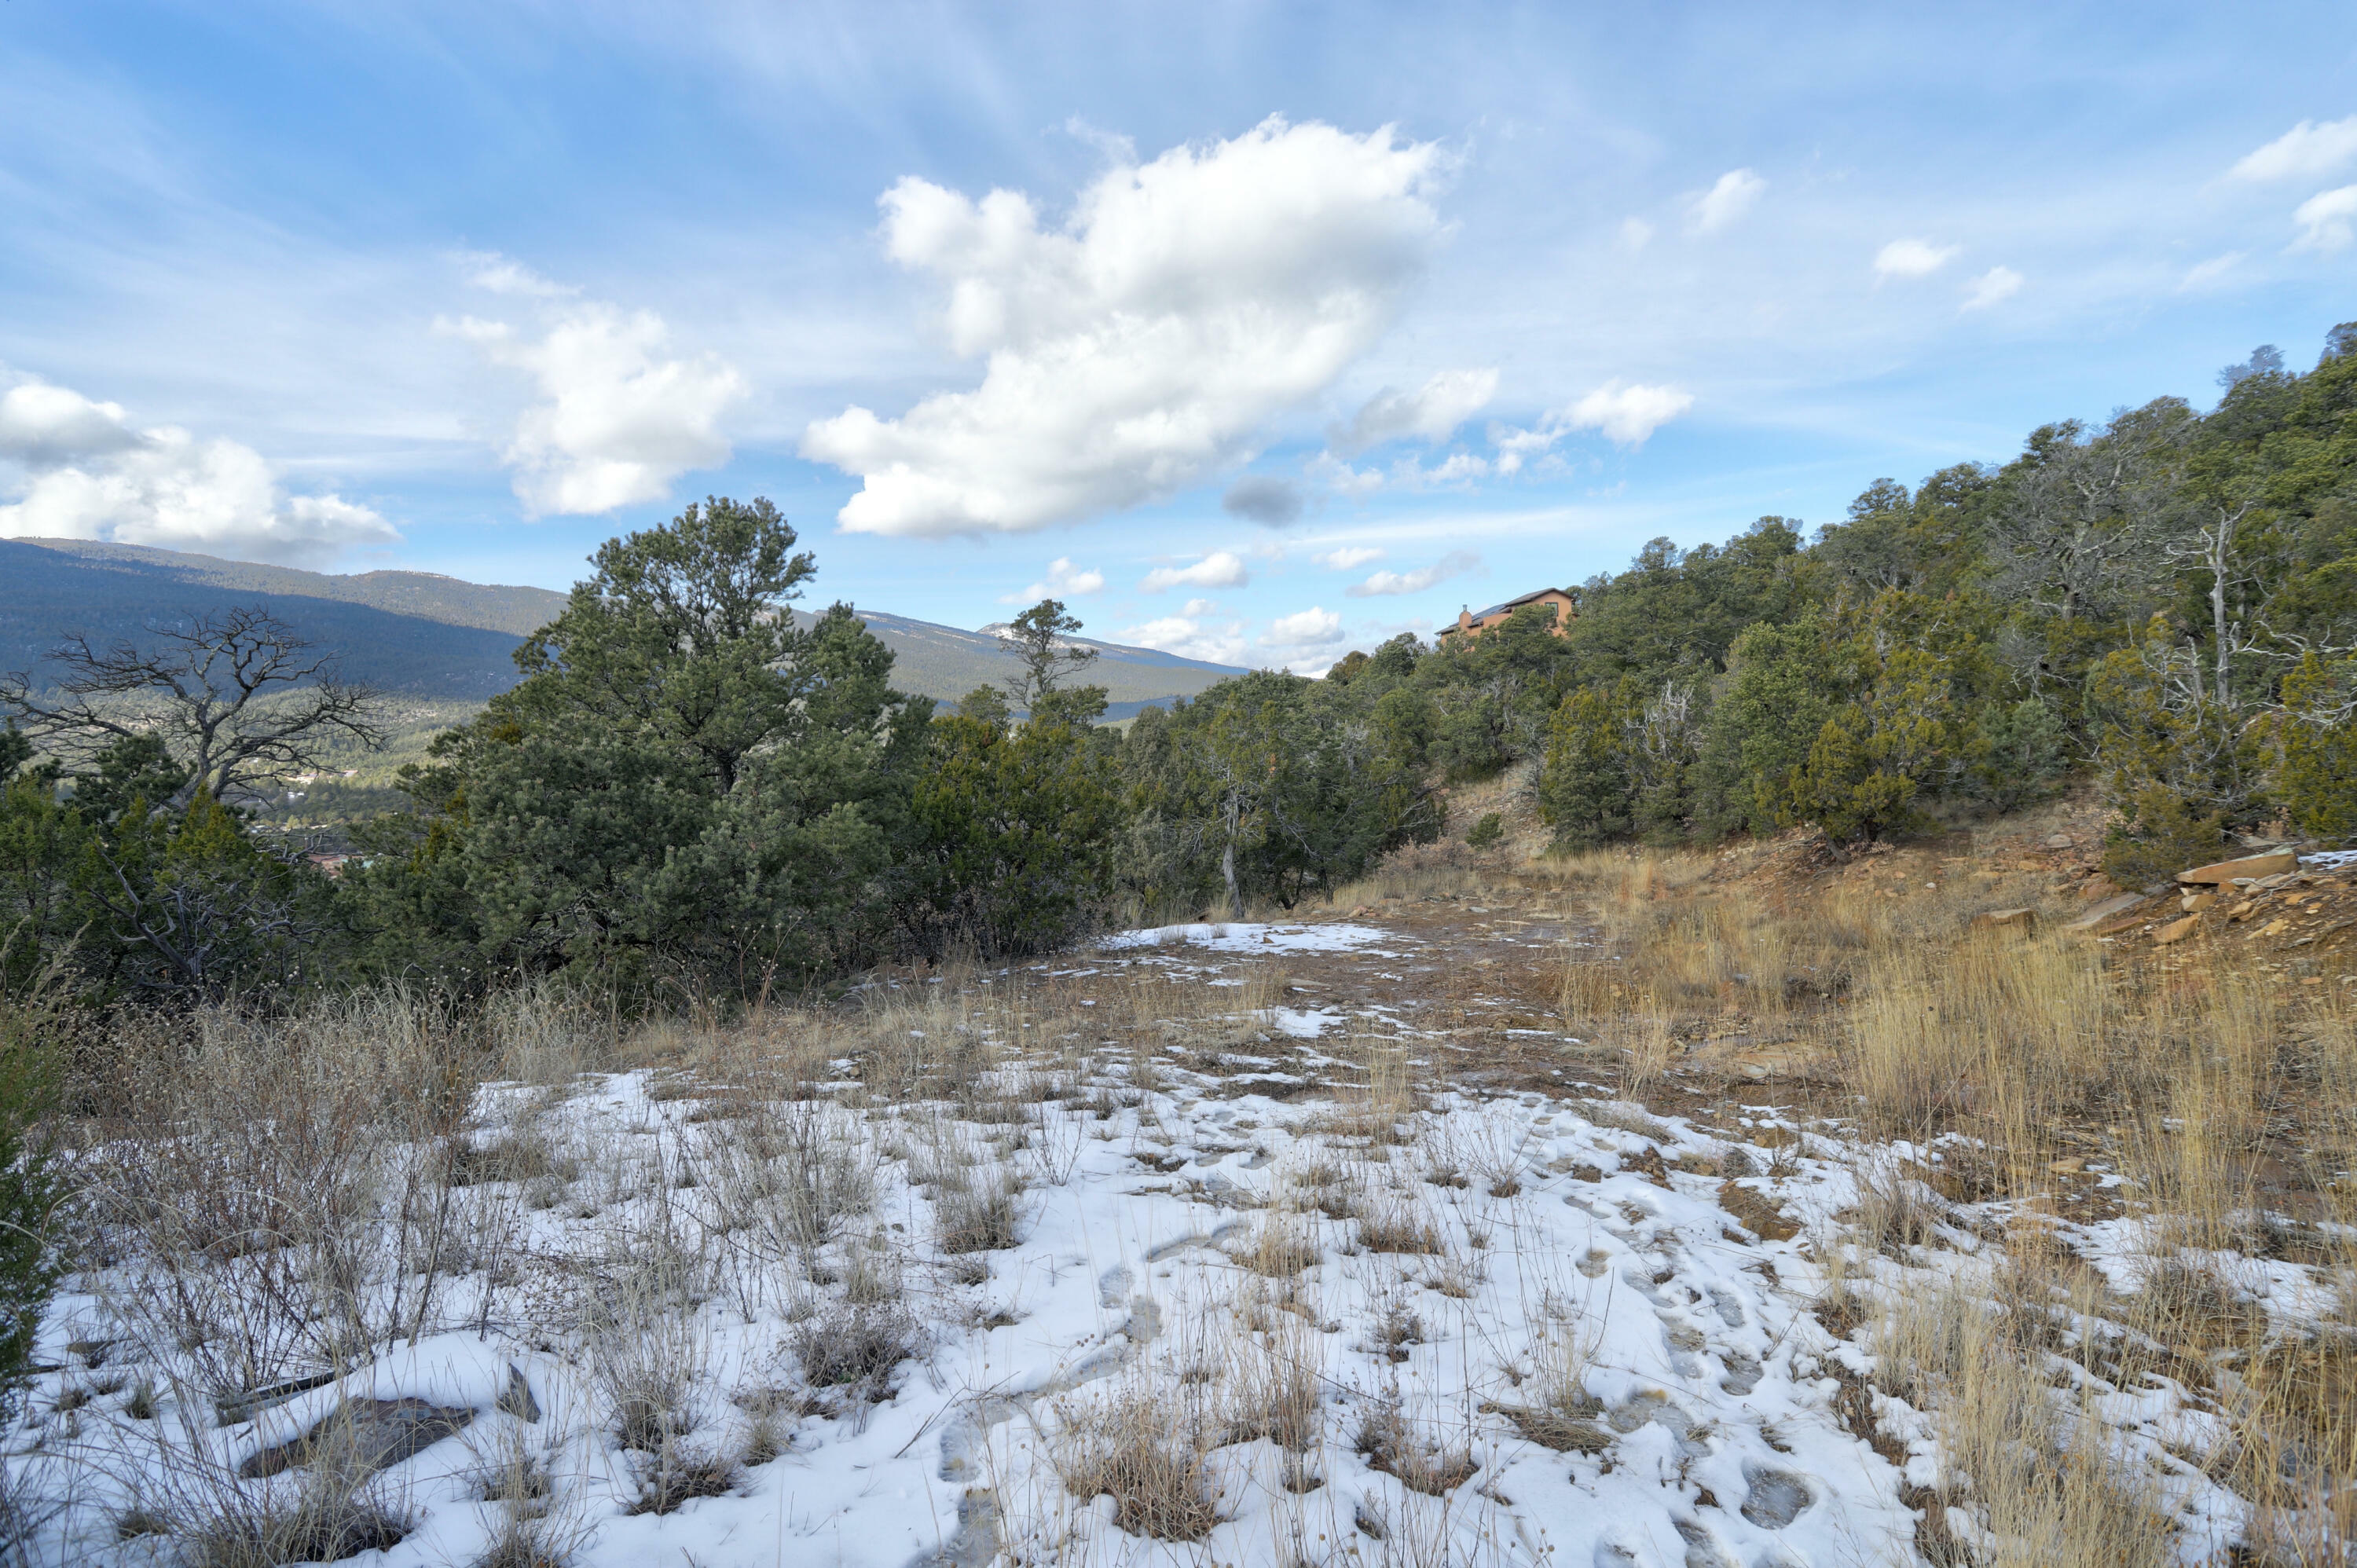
x=2226 y=1101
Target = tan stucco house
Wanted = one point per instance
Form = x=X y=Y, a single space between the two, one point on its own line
x=1469 y=624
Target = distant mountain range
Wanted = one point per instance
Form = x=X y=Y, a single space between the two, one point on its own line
x=430 y=636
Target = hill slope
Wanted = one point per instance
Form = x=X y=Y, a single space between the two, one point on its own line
x=424 y=635
x=410 y=632
x=945 y=663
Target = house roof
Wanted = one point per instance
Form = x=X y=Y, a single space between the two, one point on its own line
x=1517 y=604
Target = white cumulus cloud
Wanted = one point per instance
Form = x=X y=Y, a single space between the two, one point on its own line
x=1995 y=285
x=1349 y=558
x=1911 y=259
x=1431 y=412
x=1190 y=637
x=1735 y=194
x=1312 y=628
x=1200 y=607
x=1145 y=343
x=1064 y=581
x=2327 y=219
x=1220 y=569
x=1628 y=414
x=619 y=416
x=88 y=472
x=2307 y=151
x=1455 y=563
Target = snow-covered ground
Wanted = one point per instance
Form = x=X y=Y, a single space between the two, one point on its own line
x=1518 y=1329
x=1711 y=1421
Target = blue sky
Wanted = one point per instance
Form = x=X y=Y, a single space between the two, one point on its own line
x=1289 y=327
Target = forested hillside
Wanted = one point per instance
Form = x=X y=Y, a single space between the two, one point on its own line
x=2168 y=602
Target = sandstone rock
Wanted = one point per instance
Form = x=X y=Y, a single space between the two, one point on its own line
x=2177 y=930
x=2013 y=923
x=2057 y=840
x=368 y=1434
x=2106 y=912
x=2227 y=870
x=2097 y=887
x=2194 y=903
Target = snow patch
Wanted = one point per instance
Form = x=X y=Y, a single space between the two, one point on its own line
x=1248 y=936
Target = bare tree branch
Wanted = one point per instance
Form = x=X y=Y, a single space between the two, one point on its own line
x=243 y=699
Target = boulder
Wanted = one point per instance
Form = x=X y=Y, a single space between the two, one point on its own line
x=2098 y=887
x=2254 y=867
x=2194 y=903
x=2177 y=930
x=2013 y=923
x=2057 y=840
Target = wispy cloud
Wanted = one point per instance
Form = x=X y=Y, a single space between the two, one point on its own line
x=2201 y=275
x=2310 y=150
x=2327 y=219
x=1455 y=563
x=1995 y=284
x=1348 y=558
x=1737 y=192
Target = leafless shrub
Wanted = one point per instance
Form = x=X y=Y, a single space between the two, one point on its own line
x=1388 y=1443
x=676 y=1475
x=787 y=1176
x=1397 y=1328
x=853 y=1349
x=278 y=1194
x=646 y=1351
